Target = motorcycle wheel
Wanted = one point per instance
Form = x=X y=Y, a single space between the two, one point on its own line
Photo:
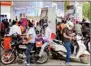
x=84 y=59
x=43 y=59
x=8 y=57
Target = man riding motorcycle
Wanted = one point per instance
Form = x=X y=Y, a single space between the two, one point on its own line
x=15 y=29
x=67 y=38
x=30 y=42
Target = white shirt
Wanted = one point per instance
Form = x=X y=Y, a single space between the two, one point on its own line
x=15 y=29
x=48 y=33
x=33 y=34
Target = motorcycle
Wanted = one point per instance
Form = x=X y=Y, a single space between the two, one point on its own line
x=58 y=50
x=18 y=50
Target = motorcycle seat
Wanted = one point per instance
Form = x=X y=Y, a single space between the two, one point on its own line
x=57 y=41
x=22 y=46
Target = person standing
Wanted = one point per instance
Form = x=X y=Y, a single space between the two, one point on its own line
x=6 y=23
x=62 y=26
x=58 y=31
x=22 y=28
x=2 y=26
x=24 y=22
x=78 y=28
x=10 y=22
x=67 y=38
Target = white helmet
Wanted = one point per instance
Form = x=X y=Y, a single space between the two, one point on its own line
x=70 y=25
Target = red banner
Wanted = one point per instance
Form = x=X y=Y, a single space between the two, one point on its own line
x=4 y=3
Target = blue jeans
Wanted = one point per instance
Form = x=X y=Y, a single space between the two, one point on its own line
x=68 y=48
x=28 y=50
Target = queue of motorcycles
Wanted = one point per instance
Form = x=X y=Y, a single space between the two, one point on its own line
x=57 y=50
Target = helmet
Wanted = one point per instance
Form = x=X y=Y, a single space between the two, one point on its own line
x=45 y=25
x=70 y=25
x=15 y=36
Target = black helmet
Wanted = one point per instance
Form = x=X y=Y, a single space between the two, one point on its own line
x=15 y=36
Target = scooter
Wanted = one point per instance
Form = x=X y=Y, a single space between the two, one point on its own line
x=18 y=50
x=58 y=50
